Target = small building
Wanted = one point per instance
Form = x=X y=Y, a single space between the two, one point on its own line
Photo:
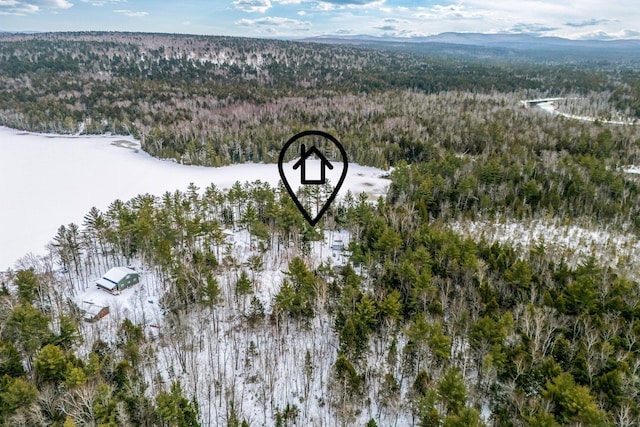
x=118 y=279
x=92 y=312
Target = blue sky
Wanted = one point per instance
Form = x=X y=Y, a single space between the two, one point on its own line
x=576 y=19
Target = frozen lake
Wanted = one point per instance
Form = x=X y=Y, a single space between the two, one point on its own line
x=50 y=180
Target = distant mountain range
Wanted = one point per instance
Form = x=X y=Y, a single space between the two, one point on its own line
x=20 y=32
x=517 y=46
x=480 y=45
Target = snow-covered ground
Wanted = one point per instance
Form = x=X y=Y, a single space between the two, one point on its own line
x=633 y=169
x=549 y=107
x=574 y=243
x=50 y=180
x=217 y=356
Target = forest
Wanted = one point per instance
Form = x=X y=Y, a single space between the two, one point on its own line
x=221 y=100
x=263 y=323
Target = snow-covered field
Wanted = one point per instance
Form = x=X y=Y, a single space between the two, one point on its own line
x=50 y=180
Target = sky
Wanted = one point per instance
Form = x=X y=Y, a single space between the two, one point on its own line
x=574 y=19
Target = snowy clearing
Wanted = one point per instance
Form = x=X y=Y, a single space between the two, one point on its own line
x=50 y=180
x=572 y=242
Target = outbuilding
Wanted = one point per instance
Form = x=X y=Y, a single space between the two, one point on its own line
x=92 y=312
x=118 y=279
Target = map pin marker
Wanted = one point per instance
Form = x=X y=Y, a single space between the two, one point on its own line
x=310 y=172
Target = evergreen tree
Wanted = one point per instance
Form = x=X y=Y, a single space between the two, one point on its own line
x=175 y=410
x=50 y=365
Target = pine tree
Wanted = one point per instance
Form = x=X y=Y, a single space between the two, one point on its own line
x=175 y=410
x=244 y=285
x=27 y=283
x=50 y=365
x=15 y=393
x=10 y=361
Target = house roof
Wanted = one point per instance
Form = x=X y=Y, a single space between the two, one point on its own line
x=91 y=309
x=117 y=273
x=304 y=155
x=107 y=284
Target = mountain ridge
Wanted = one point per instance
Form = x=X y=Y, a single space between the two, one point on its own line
x=478 y=39
x=504 y=46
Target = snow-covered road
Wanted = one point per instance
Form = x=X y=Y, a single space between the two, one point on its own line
x=548 y=105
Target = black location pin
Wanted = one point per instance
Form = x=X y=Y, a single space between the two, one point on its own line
x=314 y=162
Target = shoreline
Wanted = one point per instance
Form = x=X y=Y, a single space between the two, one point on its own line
x=53 y=181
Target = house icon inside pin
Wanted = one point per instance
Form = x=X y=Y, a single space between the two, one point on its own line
x=304 y=155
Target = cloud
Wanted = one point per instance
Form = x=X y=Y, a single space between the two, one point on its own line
x=53 y=4
x=587 y=23
x=275 y=25
x=131 y=13
x=351 y=4
x=395 y=21
x=603 y=35
x=387 y=28
x=251 y=6
x=21 y=8
x=527 y=28
x=451 y=11
x=100 y=3
x=404 y=33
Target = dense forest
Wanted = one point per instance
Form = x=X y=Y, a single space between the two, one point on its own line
x=422 y=326
x=219 y=100
x=263 y=322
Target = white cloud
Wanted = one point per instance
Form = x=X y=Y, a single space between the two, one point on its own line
x=451 y=11
x=353 y=2
x=587 y=23
x=21 y=8
x=131 y=13
x=100 y=3
x=530 y=28
x=275 y=25
x=252 y=5
x=54 y=4
x=568 y=18
x=603 y=35
x=326 y=5
x=395 y=21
